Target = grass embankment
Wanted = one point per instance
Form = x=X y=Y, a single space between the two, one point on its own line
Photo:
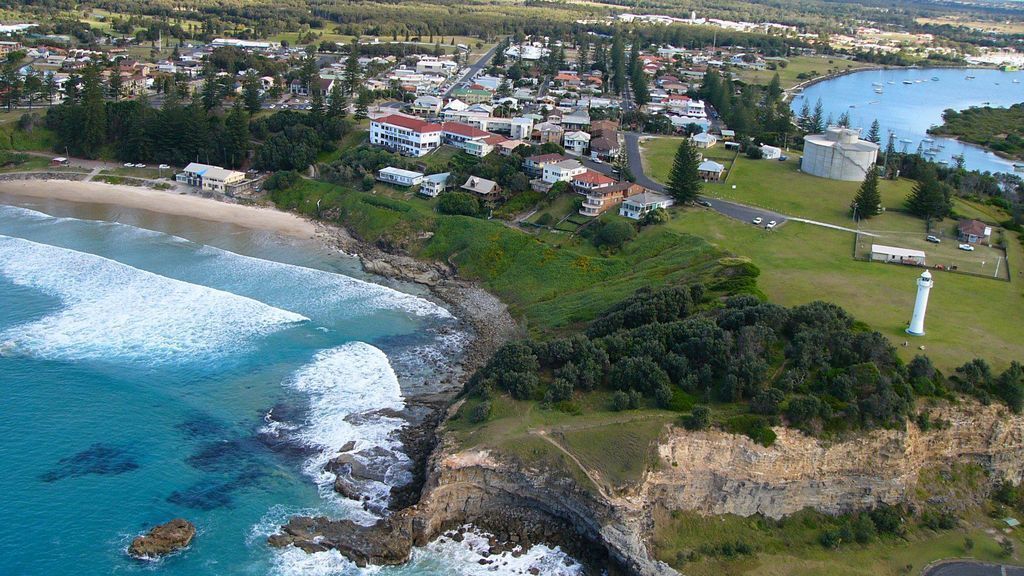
x=808 y=66
x=968 y=316
x=549 y=286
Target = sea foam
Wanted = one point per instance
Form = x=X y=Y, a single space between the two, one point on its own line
x=112 y=310
x=348 y=387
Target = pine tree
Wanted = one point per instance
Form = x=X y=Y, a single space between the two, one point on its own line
x=874 y=134
x=94 y=115
x=844 y=120
x=236 y=136
x=316 y=105
x=251 y=92
x=618 y=57
x=116 y=85
x=352 y=68
x=817 y=123
x=774 y=90
x=337 y=105
x=641 y=93
x=210 y=93
x=805 y=117
x=929 y=200
x=362 y=103
x=867 y=201
x=684 y=181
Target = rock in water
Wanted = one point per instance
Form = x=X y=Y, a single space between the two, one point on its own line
x=163 y=539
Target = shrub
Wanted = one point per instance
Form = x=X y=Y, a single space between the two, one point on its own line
x=699 y=419
x=620 y=401
x=480 y=413
x=546 y=219
x=458 y=203
x=367 y=183
x=282 y=180
x=614 y=234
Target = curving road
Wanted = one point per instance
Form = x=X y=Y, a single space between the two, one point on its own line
x=969 y=568
x=472 y=70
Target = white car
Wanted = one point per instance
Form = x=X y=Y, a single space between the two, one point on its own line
x=140 y=165
x=966 y=247
x=757 y=221
x=129 y=165
x=770 y=225
x=165 y=166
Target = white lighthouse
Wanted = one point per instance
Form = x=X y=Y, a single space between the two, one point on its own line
x=924 y=286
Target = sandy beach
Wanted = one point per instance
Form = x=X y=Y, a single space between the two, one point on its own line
x=164 y=202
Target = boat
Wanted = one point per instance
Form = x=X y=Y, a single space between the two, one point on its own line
x=891 y=82
x=874 y=102
x=853 y=105
x=970 y=77
x=878 y=90
x=906 y=141
x=908 y=82
x=879 y=84
x=1015 y=81
x=935 y=78
x=927 y=140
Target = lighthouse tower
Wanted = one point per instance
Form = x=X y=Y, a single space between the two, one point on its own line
x=924 y=286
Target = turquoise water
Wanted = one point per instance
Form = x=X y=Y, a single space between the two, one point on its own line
x=908 y=110
x=146 y=376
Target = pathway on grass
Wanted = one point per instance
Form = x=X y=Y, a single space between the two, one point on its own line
x=832 y=226
x=594 y=478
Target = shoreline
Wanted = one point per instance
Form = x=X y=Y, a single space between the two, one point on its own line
x=170 y=202
x=799 y=88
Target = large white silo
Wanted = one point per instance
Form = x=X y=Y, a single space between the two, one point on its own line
x=838 y=154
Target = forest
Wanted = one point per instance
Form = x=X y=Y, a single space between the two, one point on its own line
x=811 y=367
x=999 y=129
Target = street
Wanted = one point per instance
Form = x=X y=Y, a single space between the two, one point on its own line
x=472 y=70
x=968 y=568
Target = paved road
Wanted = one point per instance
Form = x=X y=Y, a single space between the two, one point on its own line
x=472 y=70
x=740 y=212
x=966 y=568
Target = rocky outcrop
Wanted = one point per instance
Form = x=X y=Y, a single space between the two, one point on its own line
x=163 y=539
x=717 y=473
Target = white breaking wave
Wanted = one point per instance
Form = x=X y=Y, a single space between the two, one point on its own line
x=347 y=387
x=112 y=310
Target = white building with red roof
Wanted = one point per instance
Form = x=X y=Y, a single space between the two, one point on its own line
x=590 y=180
x=406 y=135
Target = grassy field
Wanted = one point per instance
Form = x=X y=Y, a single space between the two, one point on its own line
x=659 y=152
x=791 y=547
x=816 y=65
x=1003 y=26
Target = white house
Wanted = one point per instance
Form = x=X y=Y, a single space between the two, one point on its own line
x=432 y=65
x=770 y=152
x=710 y=171
x=892 y=254
x=212 y=178
x=399 y=177
x=434 y=184
x=521 y=128
x=409 y=136
x=576 y=141
x=563 y=171
x=638 y=205
x=703 y=140
x=426 y=105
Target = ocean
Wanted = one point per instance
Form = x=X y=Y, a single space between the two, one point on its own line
x=154 y=367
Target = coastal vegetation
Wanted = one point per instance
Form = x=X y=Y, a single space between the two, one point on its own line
x=999 y=129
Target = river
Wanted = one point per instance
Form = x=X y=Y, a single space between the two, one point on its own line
x=908 y=110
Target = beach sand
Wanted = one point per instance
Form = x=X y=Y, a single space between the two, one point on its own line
x=164 y=202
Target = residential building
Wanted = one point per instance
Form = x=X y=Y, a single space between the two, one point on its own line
x=487 y=188
x=563 y=171
x=604 y=147
x=472 y=95
x=603 y=127
x=426 y=105
x=549 y=132
x=534 y=165
x=638 y=205
x=521 y=128
x=407 y=135
x=212 y=178
x=710 y=171
x=8 y=47
x=880 y=253
x=973 y=231
x=434 y=184
x=601 y=199
x=590 y=180
x=431 y=65
x=703 y=140
x=507 y=147
x=399 y=177
x=576 y=141
x=578 y=120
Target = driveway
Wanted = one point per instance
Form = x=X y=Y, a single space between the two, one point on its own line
x=968 y=568
x=740 y=212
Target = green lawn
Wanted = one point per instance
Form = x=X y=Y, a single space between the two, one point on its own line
x=817 y=65
x=658 y=153
x=39 y=139
x=967 y=316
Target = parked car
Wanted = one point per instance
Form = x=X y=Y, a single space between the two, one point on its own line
x=704 y=203
x=757 y=220
x=933 y=239
x=129 y=165
x=966 y=247
x=140 y=165
x=165 y=166
x=770 y=225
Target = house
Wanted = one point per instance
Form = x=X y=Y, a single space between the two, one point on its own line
x=298 y=88
x=576 y=141
x=8 y=47
x=434 y=184
x=399 y=177
x=638 y=205
x=213 y=178
x=534 y=165
x=578 y=120
x=880 y=253
x=973 y=231
x=465 y=137
x=601 y=199
x=710 y=171
x=482 y=186
x=471 y=95
x=604 y=128
x=426 y=105
x=728 y=134
x=507 y=147
x=521 y=128
x=770 y=152
x=703 y=140
x=563 y=171
x=549 y=132
x=604 y=147
x=590 y=180
x=432 y=65
x=407 y=135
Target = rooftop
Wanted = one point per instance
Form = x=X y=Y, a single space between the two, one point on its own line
x=414 y=124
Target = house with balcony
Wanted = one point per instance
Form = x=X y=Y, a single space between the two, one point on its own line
x=534 y=165
x=638 y=205
x=434 y=184
x=399 y=177
x=406 y=135
x=576 y=141
x=599 y=200
x=563 y=171
x=590 y=180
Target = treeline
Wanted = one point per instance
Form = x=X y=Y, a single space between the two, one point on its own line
x=1000 y=129
x=811 y=367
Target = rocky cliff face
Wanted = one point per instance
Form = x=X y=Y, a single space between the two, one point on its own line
x=717 y=473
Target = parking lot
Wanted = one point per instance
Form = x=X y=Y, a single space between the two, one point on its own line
x=983 y=260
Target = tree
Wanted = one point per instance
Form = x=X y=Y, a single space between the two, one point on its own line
x=337 y=104
x=618 y=57
x=929 y=199
x=641 y=94
x=614 y=234
x=874 y=134
x=460 y=203
x=251 y=92
x=352 y=68
x=699 y=419
x=866 y=203
x=116 y=85
x=94 y=114
x=683 y=181
x=362 y=104
x=774 y=90
x=236 y=136
x=805 y=116
x=844 y=119
x=817 y=122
